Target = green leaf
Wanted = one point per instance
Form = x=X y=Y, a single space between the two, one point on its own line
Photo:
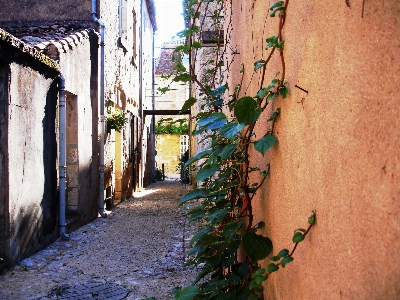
x=206 y=172
x=256 y=246
x=271 y=97
x=259 y=64
x=265 y=143
x=253 y=285
x=185 y=77
x=276 y=4
x=272 y=14
x=199 y=234
x=233 y=247
x=188 y=103
x=217 y=124
x=271 y=42
x=275 y=115
x=253 y=297
x=196 y=214
x=286 y=260
x=217 y=216
x=263 y=92
x=259 y=272
x=283 y=253
x=275 y=258
x=230 y=229
x=298 y=237
x=163 y=90
x=247 y=110
x=311 y=219
x=194 y=194
x=283 y=91
x=231 y=129
x=272 y=268
x=198 y=156
x=228 y=261
x=187 y=293
x=211 y=118
x=179 y=67
x=228 y=151
x=197 y=45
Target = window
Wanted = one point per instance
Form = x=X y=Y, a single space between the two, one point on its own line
x=134 y=48
x=123 y=22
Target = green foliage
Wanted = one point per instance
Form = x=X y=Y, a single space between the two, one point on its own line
x=265 y=143
x=172 y=129
x=247 y=110
x=159 y=175
x=169 y=126
x=222 y=202
x=256 y=246
x=115 y=119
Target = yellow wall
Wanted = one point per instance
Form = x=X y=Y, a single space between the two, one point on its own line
x=167 y=147
x=338 y=149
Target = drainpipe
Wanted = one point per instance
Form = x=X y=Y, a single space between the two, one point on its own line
x=102 y=117
x=62 y=157
x=153 y=134
x=141 y=96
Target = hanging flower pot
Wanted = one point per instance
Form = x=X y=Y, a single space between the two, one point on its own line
x=115 y=120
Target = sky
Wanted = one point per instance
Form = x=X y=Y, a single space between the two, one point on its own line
x=169 y=20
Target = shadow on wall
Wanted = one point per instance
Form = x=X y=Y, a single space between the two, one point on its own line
x=49 y=202
x=128 y=182
x=24 y=240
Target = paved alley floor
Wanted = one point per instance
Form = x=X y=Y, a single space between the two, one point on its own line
x=136 y=253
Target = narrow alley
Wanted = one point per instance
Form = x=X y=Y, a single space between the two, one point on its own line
x=137 y=252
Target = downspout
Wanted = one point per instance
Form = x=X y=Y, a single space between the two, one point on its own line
x=153 y=133
x=102 y=117
x=62 y=158
x=141 y=95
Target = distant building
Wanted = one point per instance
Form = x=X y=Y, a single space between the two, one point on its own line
x=170 y=147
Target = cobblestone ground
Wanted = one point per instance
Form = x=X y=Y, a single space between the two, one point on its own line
x=138 y=252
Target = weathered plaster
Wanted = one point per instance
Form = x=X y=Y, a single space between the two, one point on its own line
x=338 y=145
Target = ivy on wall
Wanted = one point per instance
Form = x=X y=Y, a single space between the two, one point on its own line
x=170 y=126
x=226 y=176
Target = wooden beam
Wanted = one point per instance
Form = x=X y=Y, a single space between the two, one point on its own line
x=165 y=112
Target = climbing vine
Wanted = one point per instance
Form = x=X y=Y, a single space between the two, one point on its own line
x=228 y=247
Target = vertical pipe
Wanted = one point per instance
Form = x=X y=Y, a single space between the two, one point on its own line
x=140 y=166
x=62 y=157
x=153 y=134
x=102 y=117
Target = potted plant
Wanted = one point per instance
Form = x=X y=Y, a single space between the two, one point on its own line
x=115 y=119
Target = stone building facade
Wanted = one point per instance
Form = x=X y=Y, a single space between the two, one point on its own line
x=41 y=41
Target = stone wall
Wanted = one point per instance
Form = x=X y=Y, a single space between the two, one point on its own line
x=35 y=10
x=78 y=64
x=28 y=147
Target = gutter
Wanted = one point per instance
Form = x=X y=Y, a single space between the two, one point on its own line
x=102 y=117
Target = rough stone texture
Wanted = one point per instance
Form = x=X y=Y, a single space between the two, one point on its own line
x=29 y=10
x=338 y=145
x=137 y=252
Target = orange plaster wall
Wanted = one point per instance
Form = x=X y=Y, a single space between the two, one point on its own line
x=339 y=145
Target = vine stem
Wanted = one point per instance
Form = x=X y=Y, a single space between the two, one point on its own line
x=294 y=247
x=282 y=19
